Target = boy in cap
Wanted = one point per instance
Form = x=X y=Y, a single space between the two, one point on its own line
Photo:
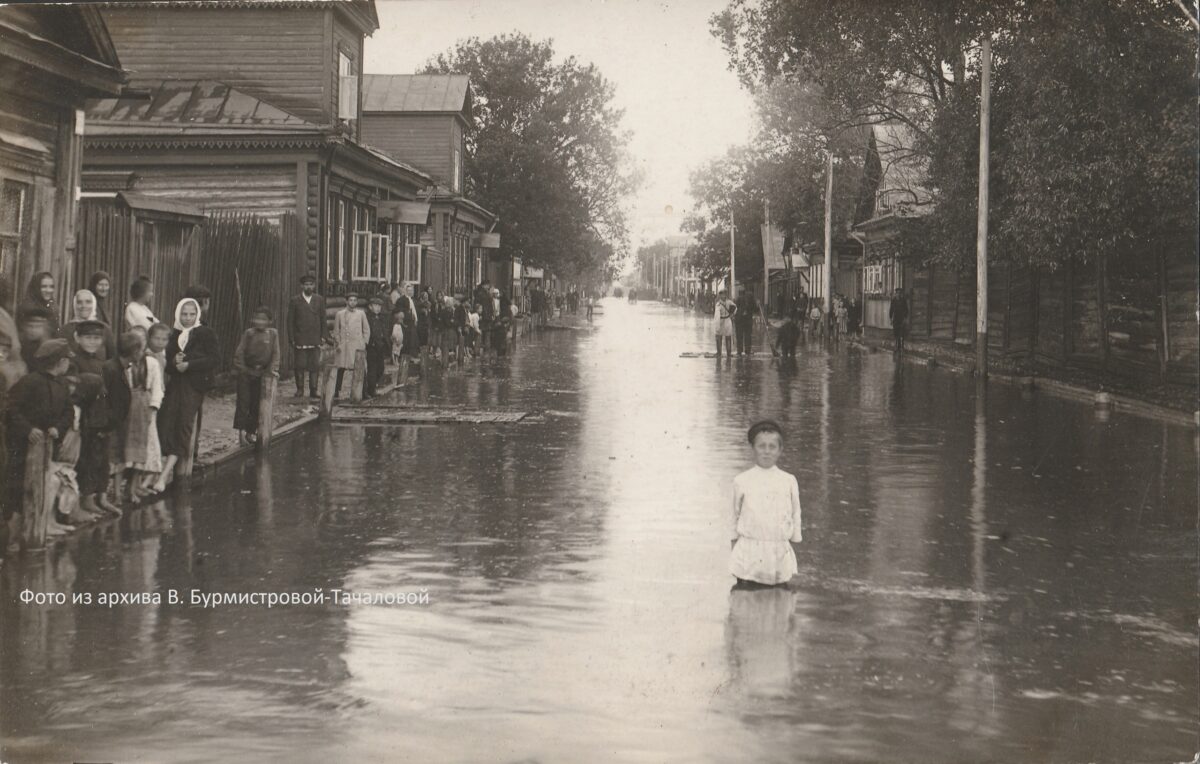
x=378 y=344
x=96 y=423
x=256 y=356
x=307 y=330
x=39 y=407
x=351 y=332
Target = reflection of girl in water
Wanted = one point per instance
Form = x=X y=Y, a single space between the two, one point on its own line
x=758 y=638
x=766 y=513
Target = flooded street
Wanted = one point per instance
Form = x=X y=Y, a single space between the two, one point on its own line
x=1014 y=581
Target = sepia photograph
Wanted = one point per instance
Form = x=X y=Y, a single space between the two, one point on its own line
x=647 y=381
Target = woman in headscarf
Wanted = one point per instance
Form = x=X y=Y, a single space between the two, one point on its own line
x=193 y=356
x=84 y=308
x=100 y=284
x=40 y=295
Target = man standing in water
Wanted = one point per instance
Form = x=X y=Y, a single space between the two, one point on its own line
x=743 y=321
x=307 y=330
x=898 y=313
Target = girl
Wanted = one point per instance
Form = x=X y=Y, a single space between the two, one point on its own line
x=724 y=311
x=766 y=514
x=39 y=296
x=193 y=355
x=138 y=453
x=257 y=355
x=397 y=337
x=157 y=337
x=83 y=308
x=137 y=312
x=100 y=284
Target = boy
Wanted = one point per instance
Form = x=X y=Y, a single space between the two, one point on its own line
x=766 y=517
x=377 y=345
x=95 y=424
x=351 y=332
x=256 y=356
x=38 y=408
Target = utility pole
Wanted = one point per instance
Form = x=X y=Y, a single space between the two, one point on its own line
x=827 y=280
x=981 y=273
x=732 y=258
x=768 y=251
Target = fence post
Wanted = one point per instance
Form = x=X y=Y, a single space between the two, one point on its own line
x=328 y=379
x=360 y=375
x=266 y=411
x=35 y=506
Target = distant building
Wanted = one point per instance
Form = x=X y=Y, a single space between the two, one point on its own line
x=422 y=120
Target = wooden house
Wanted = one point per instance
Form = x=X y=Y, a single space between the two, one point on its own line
x=422 y=120
x=255 y=106
x=52 y=58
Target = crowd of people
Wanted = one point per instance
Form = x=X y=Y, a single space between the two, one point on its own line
x=116 y=403
x=805 y=318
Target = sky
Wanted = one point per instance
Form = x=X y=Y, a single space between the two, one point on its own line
x=681 y=102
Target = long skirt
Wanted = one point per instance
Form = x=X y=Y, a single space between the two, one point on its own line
x=177 y=418
x=245 y=413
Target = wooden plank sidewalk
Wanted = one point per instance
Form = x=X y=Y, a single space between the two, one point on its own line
x=421 y=414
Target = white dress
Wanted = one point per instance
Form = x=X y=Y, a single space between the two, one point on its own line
x=765 y=522
x=723 y=313
x=137 y=314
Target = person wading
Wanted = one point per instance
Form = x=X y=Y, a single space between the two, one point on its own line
x=723 y=312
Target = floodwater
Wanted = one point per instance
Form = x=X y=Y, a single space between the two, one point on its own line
x=1013 y=581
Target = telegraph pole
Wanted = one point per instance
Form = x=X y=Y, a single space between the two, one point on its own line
x=981 y=273
x=827 y=280
x=768 y=250
x=732 y=258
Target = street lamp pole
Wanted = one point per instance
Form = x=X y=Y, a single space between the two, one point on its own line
x=827 y=280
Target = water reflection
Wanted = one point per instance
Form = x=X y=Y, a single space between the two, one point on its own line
x=999 y=578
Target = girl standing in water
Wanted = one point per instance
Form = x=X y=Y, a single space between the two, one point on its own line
x=766 y=514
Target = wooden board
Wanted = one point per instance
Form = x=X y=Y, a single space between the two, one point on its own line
x=388 y=415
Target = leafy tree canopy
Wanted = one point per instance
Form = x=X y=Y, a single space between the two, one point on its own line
x=546 y=152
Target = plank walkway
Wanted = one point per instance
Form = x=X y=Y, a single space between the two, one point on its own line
x=418 y=414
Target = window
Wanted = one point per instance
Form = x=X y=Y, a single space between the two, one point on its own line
x=456 y=178
x=340 y=272
x=412 y=262
x=347 y=88
x=13 y=225
x=873 y=279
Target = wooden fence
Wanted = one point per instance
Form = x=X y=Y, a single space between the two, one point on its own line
x=1135 y=319
x=244 y=259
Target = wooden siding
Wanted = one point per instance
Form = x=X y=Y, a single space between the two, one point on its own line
x=31 y=118
x=421 y=140
x=275 y=55
x=268 y=190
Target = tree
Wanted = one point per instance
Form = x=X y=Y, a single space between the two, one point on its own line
x=546 y=152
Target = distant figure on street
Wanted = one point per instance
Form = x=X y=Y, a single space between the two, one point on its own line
x=724 y=311
x=743 y=321
x=786 y=338
x=815 y=323
x=766 y=514
x=898 y=313
x=307 y=330
x=591 y=306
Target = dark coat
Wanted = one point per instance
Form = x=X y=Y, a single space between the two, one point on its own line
x=37 y=401
x=203 y=356
x=117 y=388
x=381 y=331
x=306 y=321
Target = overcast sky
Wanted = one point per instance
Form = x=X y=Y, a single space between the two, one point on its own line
x=680 y=101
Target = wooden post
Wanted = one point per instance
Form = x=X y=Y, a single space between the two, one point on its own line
x=328 y=378
x=360 y=376
x=732 y=258
x=827 y=280
x=981 y=274
x=35 y=508
x=266 y=410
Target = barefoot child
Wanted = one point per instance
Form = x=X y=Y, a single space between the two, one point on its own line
x=139 y=389
x=257 y=356
x=766 y=513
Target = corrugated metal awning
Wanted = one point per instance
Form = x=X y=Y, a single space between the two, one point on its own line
x=408 y=213
x=160 y=205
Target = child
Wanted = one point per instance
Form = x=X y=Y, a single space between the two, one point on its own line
x=766 y=514
x=135 y=385
x=38 y=408
x=137 y=312
x=377 y=344
x=475 y=335
x=256 y=356
x=816 y=325
x=157 y=338
x=95 y=425
x=397 y=339
x=351 y=332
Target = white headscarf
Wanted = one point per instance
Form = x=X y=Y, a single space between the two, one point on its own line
x=89 y=311
x=185 y=331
